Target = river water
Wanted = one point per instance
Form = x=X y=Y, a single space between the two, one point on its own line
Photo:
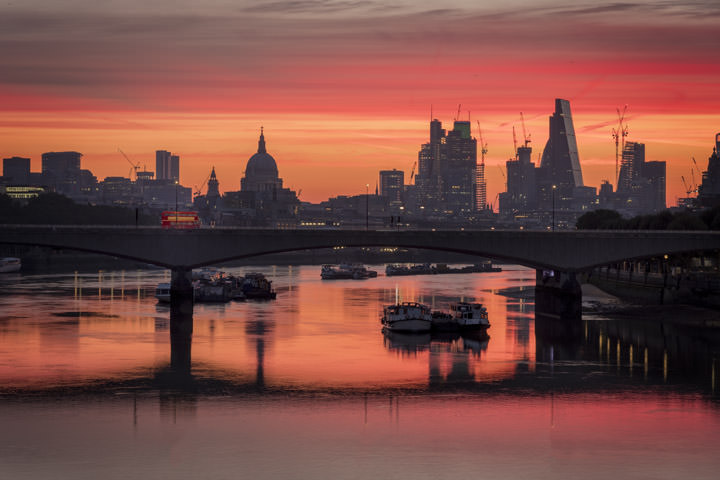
x=308 y=386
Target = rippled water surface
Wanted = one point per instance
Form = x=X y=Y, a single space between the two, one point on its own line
x=94 y=385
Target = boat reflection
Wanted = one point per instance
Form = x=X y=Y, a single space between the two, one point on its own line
x=407 y=343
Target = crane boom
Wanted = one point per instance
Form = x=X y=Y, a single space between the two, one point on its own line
x=526 y=136
x=135 y=166
x=618 y=135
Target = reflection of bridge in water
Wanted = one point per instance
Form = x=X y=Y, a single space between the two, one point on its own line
x=597 y=356
x=563 y=253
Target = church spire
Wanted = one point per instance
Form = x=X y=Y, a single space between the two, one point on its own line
x=261 y=142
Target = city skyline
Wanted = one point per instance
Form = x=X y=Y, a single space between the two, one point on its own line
x=348 y=87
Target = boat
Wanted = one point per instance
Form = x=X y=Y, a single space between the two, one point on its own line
x=419 y=269
x=211 y=292
x=476 y=268
x=162 y=292
x=355 y=271
x=470 y=316
x=256 y=287
x=407 y=317
x=444 y=322
x=10 y=264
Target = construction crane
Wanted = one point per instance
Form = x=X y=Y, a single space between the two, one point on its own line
x=619 y=136
x=457 y=116
x=412 y=171
x=514 y=140
x=696 y=166
x=483 y=145
x=198 y=191
x=503 y=175
x=526 y=136
x=135 y=167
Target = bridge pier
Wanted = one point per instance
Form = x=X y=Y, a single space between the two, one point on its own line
x=181 y=290
x=181 y=330
x=558 y=295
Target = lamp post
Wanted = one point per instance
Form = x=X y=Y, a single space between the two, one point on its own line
x=367 y=206
x=554 y=187
x=176 y=202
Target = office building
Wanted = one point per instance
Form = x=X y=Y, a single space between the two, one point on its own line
x=16 y=170
x=391 y=185
x=520 y=196
x=559 y=173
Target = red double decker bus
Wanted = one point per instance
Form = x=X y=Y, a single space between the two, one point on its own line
x=173 y=219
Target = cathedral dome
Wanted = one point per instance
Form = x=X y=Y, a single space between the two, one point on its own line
x=261 y=164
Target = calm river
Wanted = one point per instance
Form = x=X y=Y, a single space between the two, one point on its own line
x=308 y=387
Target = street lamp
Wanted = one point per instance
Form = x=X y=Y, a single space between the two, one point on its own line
x=554 y=187
x=367 y=206
x=176 y=202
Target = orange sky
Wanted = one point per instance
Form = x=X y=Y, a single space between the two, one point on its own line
x=344 y=89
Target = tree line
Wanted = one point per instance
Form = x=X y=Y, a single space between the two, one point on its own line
x=666 y=220
x=56 y=209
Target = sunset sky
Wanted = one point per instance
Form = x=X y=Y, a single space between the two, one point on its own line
x=344 y=88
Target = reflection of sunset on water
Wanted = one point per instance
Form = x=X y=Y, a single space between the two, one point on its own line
x=317 y=333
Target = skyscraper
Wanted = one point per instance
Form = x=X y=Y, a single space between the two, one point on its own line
x=428 y=180
x=458 y=170
x=633 y=159
x=174 y=173
x=162 y=165
x=520 y=196
x=560 y=165
x=391 y=185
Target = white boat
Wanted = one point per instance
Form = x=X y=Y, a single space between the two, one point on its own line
x=407 y=317
x=470 y=315
x=10 y=264
x=162 y=292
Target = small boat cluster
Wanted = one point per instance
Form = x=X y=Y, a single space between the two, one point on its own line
x=215 y=286
x=416 y=318
x=10 y=265
x=355 y=271
x=428 y=269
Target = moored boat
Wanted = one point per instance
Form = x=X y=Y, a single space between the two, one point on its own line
x=162 y=292
x=10 y=264
x=257 y=287
x=346 y=271
x=407 y=317
x=470 y=315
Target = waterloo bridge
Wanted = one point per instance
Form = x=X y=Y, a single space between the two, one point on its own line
x=557 y=256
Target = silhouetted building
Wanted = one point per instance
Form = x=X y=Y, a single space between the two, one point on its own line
x=428 y=180
x=655 y=173
x=641 y=184
x=560 y=165
x=16 y=170
x=520 y=196
x=60 y=166
x=458 y=171
x=175 y=168
x=709 y=189
x=481 y=188
x=167 y=166
x=447 y=171
x=262 y=200
x=209 y=205
x=391 y=185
